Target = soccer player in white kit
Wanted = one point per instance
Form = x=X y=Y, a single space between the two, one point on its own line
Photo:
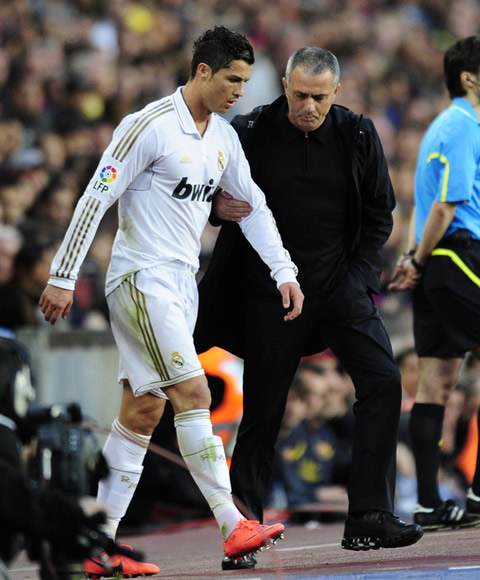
x=163 y=165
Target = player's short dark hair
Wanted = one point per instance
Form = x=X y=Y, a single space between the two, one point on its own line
x=218 y=47
x=464 y=55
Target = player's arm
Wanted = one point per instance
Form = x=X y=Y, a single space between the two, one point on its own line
x=260 y=229
x=227 y=208
x=111 y=178
x=55 y=303
x=291 y=296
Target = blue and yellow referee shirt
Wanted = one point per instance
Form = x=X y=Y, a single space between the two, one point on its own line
x=448 y=168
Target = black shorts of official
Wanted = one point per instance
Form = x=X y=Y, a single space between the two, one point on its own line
x=446 y=303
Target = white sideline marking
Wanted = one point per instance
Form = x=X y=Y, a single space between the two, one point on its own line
x=316 y=546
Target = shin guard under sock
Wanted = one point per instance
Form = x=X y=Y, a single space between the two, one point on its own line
x=204 y=455
x=124 y=452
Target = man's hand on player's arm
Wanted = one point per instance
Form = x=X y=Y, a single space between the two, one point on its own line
x=227 y=208
x=56 y=302
x=291 y=294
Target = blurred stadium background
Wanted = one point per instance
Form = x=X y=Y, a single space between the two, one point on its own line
x=71 y=69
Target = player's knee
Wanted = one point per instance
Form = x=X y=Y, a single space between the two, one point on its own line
x=190 y=395
x=447 y=390
x=142 y=414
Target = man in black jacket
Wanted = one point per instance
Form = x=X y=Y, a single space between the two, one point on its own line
x=326 y=180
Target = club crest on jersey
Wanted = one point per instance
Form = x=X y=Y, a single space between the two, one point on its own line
x=196 y=192
x=221 y=161
x=107 y=176
x=177 y=361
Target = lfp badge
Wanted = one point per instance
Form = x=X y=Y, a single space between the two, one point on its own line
x=108 y=174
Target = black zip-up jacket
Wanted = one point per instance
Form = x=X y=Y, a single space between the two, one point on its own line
x=369 y=221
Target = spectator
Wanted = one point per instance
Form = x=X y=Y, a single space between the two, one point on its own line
x=313 y=463
x=109 y=59
x=19 y=297
x=10 y=244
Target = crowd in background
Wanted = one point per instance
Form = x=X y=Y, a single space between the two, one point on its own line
x=71 y=69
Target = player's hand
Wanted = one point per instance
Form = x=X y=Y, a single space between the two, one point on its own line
x=405 y=275
x=229 y=209
x=291 y=294
x=56 y=302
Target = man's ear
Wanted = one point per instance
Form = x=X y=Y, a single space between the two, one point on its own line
x=466 y=80
x=204 y=72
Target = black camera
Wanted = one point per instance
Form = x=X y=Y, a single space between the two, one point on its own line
x=67 y=459
x=67 y=456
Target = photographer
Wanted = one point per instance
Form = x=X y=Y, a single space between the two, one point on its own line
x=51 y=521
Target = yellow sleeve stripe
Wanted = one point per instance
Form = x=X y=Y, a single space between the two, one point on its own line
x=459 y=262
x=443 y=160
x=126 y=143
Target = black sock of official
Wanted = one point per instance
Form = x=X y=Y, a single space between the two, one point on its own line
x=476 y=476
x=426 y=420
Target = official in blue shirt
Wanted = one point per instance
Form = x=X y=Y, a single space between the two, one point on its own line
x=443 y=269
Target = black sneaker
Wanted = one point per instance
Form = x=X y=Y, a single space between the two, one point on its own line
x=473 y=504
x=447 y=515
x=373 y=529
x=245 y=563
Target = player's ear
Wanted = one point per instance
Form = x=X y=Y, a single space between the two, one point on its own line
x=204 y=72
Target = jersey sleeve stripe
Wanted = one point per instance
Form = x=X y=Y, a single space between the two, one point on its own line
x=145 y=326
x=78 y=237
x=127 y=141
x=446 y=175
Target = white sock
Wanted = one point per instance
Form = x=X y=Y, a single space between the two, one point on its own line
x=471 y=495
x=124 y=451
x=204 y=455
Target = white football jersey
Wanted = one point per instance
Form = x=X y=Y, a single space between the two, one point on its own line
x=164 y=173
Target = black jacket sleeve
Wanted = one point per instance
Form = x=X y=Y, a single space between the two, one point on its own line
x=377 y=202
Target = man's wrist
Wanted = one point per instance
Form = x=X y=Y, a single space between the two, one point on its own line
x=418 y=267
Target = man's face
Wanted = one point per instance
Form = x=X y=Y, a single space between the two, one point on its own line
x=309 y=98
x=223 y=89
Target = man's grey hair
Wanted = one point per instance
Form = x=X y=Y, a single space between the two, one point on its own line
x=314 y=60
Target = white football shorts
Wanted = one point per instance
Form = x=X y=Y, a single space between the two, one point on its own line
x=153 y=314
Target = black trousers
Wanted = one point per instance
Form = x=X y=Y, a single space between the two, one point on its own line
x=347 y=322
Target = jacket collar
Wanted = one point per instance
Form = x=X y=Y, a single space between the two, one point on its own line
x=289 y=132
